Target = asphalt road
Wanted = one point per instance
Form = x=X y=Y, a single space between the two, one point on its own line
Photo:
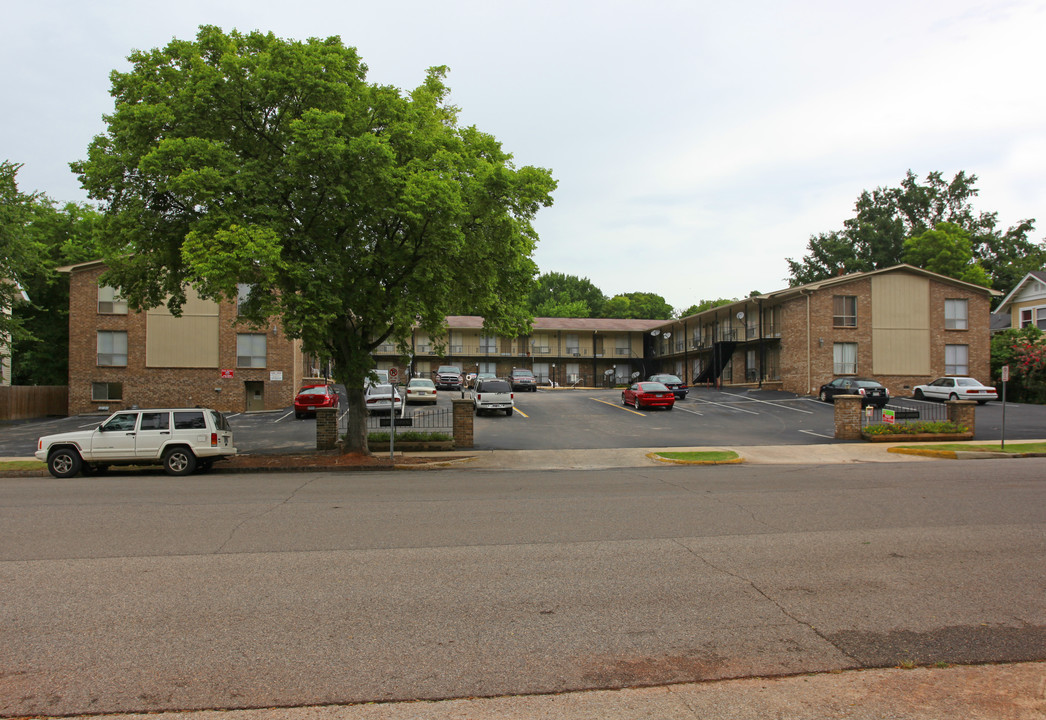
x=593 y=419
x=148 y=594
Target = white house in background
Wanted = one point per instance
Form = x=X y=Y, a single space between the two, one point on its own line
x=1026 y=303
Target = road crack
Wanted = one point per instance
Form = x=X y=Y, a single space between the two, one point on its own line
x=263 y=513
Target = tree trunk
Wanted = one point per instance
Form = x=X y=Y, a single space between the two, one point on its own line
x=356 y=433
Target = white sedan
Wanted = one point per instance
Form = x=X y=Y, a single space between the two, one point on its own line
x=421 y=390
x=381 y=398
x=956 y=388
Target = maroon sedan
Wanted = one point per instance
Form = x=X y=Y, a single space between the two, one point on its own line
x=313 y=397
x=648 y=394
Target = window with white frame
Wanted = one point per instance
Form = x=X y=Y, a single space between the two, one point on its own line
x=250 y=350
x=110 y=302
x=844 y=358
x=573 y=345
x=955 y=314
x=112 y=348
x=956 y=359
x=844 y=310
x=623 y=345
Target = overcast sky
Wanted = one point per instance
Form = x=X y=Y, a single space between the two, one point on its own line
x=696 y=144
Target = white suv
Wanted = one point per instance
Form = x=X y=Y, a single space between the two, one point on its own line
x=493 y=395
x=181 y=439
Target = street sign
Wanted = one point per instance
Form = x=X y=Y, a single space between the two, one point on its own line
x=400 y=422
x=1005 y=373
x=393 y=373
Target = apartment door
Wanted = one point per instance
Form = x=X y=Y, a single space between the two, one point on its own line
x=255 y=395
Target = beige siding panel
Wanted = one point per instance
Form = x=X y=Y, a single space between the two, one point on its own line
x=900 y=352
x=181 y=342
x=900 y=325
x=194 y=305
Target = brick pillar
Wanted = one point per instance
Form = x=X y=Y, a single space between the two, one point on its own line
x=326 y=428
x=848 y=417
x=463 y=422
x=961 y=412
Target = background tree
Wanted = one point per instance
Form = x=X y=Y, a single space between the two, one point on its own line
x=886 y=217
x=353 y=211
x=639 y=306
x=19 y=254
x=558 y=295
x=63 y=236
x=945 y=250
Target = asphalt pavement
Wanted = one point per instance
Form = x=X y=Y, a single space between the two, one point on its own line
x=993 y=691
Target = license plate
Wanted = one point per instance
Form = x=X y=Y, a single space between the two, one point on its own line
x=312 y=407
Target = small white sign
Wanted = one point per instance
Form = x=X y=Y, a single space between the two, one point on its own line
x=1005 y=373
x=276 y=376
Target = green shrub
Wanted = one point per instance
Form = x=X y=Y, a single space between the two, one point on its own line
x=409 y=436
x=915 y=428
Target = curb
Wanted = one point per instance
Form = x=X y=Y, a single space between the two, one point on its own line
x=962 y=454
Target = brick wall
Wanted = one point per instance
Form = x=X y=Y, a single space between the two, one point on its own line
x=169 y=386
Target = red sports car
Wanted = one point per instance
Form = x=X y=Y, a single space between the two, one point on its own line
x=312 y=397
x=648 y=394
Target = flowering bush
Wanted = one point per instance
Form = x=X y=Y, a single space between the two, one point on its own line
x=916 y=428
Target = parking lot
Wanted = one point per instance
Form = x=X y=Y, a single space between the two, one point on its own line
x=594 y=419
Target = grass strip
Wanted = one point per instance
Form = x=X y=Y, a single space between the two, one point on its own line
x=1011 y=447
x=23 y=465
x=698 y=456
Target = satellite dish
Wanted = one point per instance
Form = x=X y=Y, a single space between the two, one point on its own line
x=740 y=316
x=609 y=371
x=635 y=374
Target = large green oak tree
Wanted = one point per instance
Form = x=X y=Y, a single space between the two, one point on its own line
x=353 y=211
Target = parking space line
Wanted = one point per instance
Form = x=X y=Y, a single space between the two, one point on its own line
x=619 y=407
x=767 y=402
x=516 y=409
x=692 y=412
x=284 y=417
x=728 y=407
x=811 y=432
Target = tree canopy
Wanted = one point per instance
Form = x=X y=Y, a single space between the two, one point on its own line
x=638 y=305
x=18 y=253
x=706 y=305
x=924 y=222
x=558 y=295
x=352 y=210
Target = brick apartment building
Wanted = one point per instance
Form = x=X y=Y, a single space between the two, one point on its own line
x=901 y=325
x=120 y=358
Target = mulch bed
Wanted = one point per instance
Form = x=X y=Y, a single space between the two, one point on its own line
x=316 y=461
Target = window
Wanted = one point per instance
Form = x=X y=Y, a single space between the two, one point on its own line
x=844 y=308
x=110 y=302
x=573 y=345
x=102 y=392
x=955 y=313
x=112 y=348
x=956 y=359
x=189 y=421
x=844 y=358
x=1026 y=317
x=488 y=344
x=155 y=421
x=250 y=350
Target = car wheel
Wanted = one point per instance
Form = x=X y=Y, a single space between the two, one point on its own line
x=623 y=400
x=670 y=406
x=509 y=412
x=919 y=394
x=297 y=416
x=824 y=396
x=64 y=463
x=953 y=396
x=179 y=461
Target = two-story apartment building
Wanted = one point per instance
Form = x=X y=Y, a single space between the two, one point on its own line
x=901 y=325
x=566 y=351
x=120 y=358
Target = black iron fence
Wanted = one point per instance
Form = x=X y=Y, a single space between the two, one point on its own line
x=422 y=419
x=904 y=410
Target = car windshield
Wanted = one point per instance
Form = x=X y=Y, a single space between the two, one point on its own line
x=220 y=422
x=495 y=386
x=866 y=383
x=421 y=382
x=668 y=379
x=522 y=373
x=969 y=382
x=652 y=387
x=318 y=390
x=449 y=369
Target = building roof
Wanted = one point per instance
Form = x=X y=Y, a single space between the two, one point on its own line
x=1033 y=276
x=475 y=322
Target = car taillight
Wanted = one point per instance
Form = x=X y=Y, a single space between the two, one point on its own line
x=512 y=396
x=860 y=391
x=214 y=439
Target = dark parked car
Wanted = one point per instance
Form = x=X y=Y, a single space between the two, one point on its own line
x=648 y=394
x=673 y=383
x=312 y=397
x=873 y=392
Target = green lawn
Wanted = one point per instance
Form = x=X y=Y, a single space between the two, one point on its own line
x=23 y=465
x=700 y=456
x=1033 y=447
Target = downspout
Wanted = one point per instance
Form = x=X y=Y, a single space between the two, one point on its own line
x=809 y=370
x=686 y=366
x=762 y=358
